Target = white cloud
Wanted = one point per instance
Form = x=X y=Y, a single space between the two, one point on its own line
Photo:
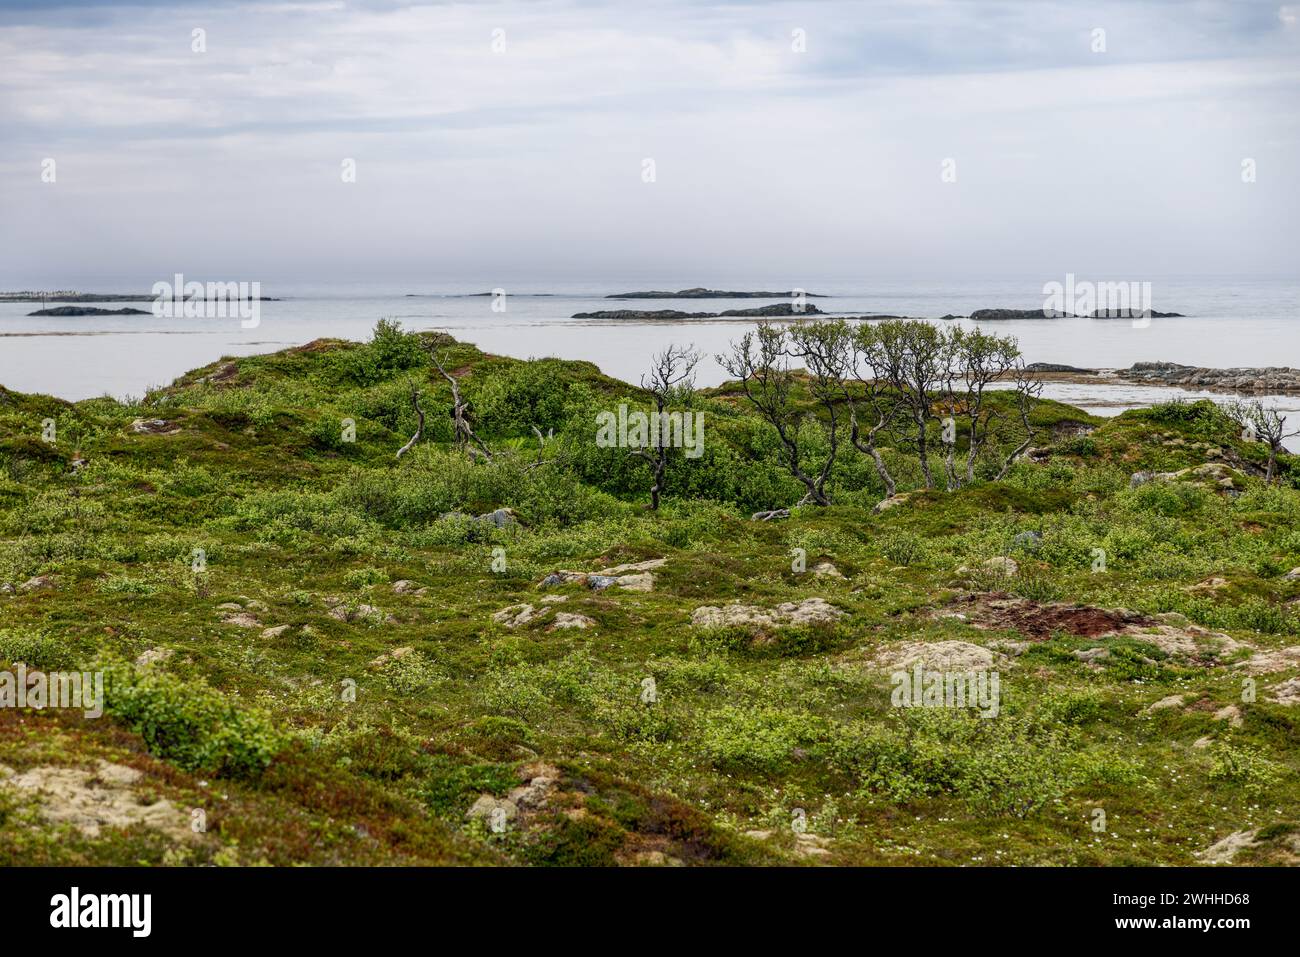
x=825 y=161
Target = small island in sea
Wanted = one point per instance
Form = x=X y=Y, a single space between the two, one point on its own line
x=776 y=310
x=68 y=311
x=699 y=292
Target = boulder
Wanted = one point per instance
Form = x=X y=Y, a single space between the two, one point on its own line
x=1268 y=662
x=1230 y=714
x=564 y=619
x=893 y=501
x=1287 y=693
x=634 y=576
x=515 y=616
x=935 y=656
x=153 y=427
x=351 y=613
x=1173 y=701
x=152 y=656
x=1225 y=849
x=490 y=809
x=389 y=656
x=806 y=612
x=241 y=619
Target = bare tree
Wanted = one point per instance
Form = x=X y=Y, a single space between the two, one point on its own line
x=671 y=379
x=419 y=429
x=760 y=363
x=1262 y=423
x=1029 y=388
x=462 y=431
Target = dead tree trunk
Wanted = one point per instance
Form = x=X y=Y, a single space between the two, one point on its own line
x=463 y=433
x=419 y=429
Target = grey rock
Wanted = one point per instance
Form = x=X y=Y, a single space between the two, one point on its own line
x=1268 y=380
x=1028 y=539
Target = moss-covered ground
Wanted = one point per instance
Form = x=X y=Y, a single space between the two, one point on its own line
x=325 y=716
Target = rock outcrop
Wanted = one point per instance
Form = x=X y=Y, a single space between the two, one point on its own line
x=807 y=612
x=759 y=312
x=699 y=292
x=1270 y=380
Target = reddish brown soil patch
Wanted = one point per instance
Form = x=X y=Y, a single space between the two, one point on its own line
x=1039 y=622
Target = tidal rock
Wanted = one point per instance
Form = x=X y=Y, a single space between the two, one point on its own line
x=1269 y=380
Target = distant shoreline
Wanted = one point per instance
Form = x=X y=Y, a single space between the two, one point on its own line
x=76 y=297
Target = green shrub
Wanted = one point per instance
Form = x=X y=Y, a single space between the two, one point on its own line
x=756 y=740
x=1010 y=765
x=36 y=649
x=1243 y=766
x=190 y=723
x=412 y=674
x=452 y=786
x=902 y=548
x=365 y=577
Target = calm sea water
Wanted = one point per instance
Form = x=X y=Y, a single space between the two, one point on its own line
x=1229 y=323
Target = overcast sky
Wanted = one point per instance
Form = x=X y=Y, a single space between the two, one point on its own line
x=528 y=161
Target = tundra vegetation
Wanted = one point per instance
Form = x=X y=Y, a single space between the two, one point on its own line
x=490 y=649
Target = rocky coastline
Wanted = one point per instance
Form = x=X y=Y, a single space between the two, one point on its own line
x=1269 y=380
x=980 y=315
x=1255 y=380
